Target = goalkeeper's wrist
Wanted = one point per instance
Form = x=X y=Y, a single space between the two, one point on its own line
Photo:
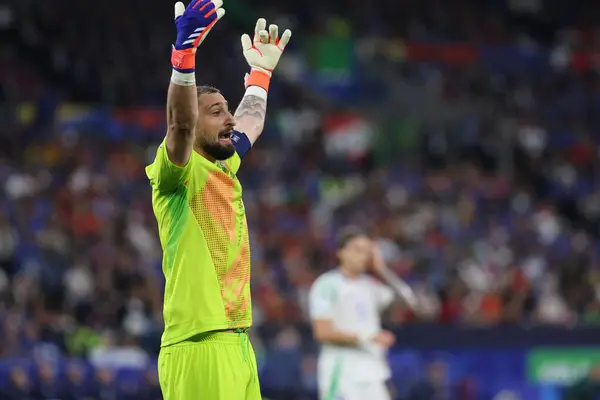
x=260 y=78
x=184 y=63
x=183 y=78
x=183 y=60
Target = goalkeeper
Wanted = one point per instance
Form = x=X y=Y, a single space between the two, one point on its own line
x=197 y=199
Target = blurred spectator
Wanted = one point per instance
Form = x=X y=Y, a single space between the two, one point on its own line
x=78 y=385
x=434 y=386
x=8 y=247
x=588 y=388
x=283 y=370
x=19 y=386
x=150 y=388
x=49 y=383
x=105 y=385
x=109 y=354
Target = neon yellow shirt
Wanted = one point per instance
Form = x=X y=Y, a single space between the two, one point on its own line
x=206 y=252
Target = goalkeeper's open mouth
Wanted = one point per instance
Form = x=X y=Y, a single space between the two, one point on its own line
x=225 y=138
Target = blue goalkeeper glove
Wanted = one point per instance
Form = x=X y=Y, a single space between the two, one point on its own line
x=193 y=25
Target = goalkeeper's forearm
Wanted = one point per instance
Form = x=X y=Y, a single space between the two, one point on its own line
x=182 y=114
x=250 y=114
x=252 y=111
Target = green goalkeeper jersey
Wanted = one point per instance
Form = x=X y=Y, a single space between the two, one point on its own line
x=206 y=251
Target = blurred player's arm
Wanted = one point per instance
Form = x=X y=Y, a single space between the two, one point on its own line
x=321 y=305
x=262 y=54
x=324 y=332
x=398 y=286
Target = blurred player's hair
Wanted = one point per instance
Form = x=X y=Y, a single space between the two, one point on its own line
x=347 y=234
x=206 y=89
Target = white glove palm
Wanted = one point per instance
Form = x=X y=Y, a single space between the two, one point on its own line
x=264 y=51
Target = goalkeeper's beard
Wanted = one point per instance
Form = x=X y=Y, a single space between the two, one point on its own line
x=218 y=151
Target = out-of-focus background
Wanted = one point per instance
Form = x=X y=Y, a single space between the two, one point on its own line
x=463 y=134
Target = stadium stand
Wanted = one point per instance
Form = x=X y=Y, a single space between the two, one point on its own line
x=463 y=135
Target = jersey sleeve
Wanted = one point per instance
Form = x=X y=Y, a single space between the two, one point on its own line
x=321 y=298
x=384 y=295
x=164 y=175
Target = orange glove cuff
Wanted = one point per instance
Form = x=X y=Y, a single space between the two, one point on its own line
x=258 y=78
x=184 y=60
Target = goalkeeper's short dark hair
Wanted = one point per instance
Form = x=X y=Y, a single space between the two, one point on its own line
x=206 y=89
x=347 y=234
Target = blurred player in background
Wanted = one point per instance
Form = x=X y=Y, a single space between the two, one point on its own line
x=345 y=306
x=197 y=199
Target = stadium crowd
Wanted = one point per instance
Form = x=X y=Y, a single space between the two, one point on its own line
x=491 y=214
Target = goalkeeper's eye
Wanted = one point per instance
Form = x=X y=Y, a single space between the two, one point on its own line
x=217 y=112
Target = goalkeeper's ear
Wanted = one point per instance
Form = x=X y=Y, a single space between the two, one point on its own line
x=179 y=9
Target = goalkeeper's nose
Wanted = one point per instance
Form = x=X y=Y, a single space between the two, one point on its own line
x=230 y=121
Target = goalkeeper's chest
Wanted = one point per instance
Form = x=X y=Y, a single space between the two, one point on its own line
x=218 y=192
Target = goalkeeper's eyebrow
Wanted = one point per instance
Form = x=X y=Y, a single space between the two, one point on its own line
x=218 y=103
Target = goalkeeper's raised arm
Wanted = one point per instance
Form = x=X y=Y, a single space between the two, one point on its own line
x=262 y=53
x=193 y=25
